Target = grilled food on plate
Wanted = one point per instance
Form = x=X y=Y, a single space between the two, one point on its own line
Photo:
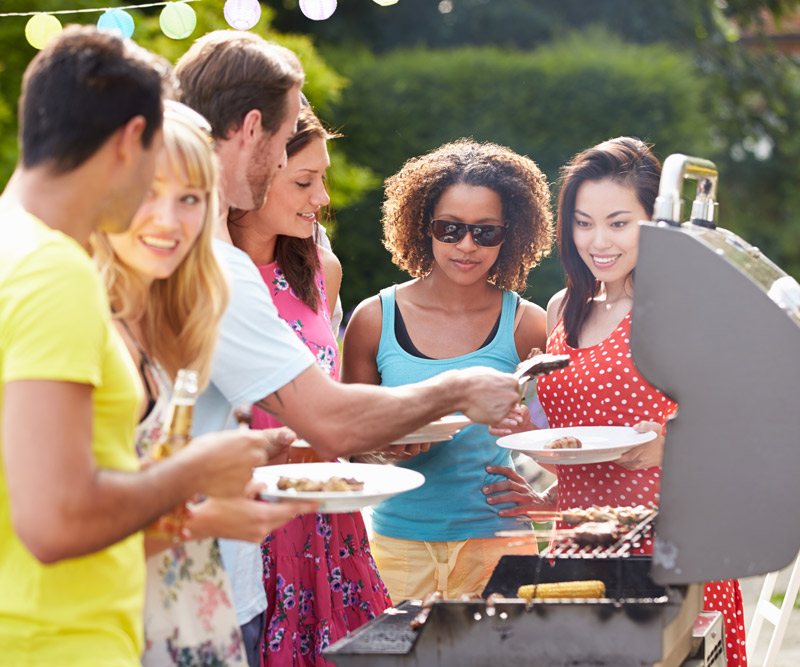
x=303 y=484
x=564 y=442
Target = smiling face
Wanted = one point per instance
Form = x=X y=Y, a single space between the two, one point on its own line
x=165 y=227
x=466 y=262
x=297 y=193
x=606 y=229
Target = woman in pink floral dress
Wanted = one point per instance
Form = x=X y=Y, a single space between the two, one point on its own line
x=605 y=191
x=319 y=575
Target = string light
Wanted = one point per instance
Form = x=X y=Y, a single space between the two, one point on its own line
x=318 y=10
x=41 y=28
x=242 y=14
x=96 y=9
x=116 y=20
x=177 y=20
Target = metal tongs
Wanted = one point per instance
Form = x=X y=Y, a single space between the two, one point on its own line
x=538 y=364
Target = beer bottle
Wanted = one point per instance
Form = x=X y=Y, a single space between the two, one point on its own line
x=176 y=434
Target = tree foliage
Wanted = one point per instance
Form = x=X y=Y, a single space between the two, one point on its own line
x=697 y=76
x=323 y=85
x=548 y=104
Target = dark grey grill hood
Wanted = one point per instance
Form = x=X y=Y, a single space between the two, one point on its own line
x=716 y=326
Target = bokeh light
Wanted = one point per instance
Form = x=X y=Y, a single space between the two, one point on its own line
x=242 y=14
x=318 y=10
x=116 y=20
x=40 y=28
x=177 y=20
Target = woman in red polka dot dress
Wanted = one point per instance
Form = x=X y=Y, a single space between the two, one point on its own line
x=604 y=192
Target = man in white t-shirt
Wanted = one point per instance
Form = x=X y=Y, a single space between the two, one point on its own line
x=249 y=90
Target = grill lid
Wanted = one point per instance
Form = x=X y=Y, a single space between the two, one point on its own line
x=716 y=327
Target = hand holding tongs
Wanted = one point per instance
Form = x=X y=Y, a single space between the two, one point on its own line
x=538 y=364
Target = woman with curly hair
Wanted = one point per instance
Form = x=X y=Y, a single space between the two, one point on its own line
x=468 y=222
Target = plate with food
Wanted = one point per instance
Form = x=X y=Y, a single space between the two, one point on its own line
x=338 y=487
x=577 y=444
x=437 y=431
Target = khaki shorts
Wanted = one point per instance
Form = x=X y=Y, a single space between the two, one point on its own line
x=412 y=569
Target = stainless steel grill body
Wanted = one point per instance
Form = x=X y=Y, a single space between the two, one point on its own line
x=641 y=624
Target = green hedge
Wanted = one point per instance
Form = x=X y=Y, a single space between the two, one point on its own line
x=547 y=104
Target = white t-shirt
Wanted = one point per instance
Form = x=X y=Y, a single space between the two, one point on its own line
x=256 y=354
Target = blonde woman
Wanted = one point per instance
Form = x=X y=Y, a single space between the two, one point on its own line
x=168 y=294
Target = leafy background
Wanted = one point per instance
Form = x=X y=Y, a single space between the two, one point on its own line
x=545 y=77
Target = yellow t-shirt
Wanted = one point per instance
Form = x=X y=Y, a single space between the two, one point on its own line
x=55 y=325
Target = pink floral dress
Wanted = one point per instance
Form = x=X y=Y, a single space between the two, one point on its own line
x=319 y=575
x=600 y=387
x=189 y=617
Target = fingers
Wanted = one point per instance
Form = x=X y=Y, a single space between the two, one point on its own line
x=506 y=471
x=278 y=441
x=405 y=452
x=257 y=519
x=509 y=496
x=643 y=427
x=253 y=488
x=278 y=514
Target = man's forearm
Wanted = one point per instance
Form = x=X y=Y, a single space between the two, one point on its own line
x=354 y=418
x=113 y=506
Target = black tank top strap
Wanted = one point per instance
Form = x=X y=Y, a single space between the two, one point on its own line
x=405 y=342
x=147 y=371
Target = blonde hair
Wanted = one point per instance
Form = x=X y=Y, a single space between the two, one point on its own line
x=180 y=314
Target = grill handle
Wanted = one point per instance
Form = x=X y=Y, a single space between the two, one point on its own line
x=676 y=169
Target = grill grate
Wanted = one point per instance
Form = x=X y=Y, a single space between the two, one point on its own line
x=391 y=633
x=562 y=547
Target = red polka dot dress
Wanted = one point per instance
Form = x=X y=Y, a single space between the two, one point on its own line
x=602 y=387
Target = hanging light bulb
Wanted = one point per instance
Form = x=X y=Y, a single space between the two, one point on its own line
x=177 y=20
x=385 y=3
x=318 y=10
x=116 y=20
x=242 y=14
x=40 y=28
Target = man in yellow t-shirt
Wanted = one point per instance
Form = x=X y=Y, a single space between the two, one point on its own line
x=55 y=326
x=72 y=500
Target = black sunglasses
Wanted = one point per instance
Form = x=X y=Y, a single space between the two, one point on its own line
x=486 y=236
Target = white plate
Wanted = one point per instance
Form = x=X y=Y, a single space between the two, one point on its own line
x=380 y=482
x=600 y=443
x=442 y=429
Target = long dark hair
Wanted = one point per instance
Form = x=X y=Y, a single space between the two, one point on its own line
x=298 y=257
x=625 y=160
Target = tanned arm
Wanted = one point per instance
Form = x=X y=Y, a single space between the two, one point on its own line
x=344 y=419
x=63 y=505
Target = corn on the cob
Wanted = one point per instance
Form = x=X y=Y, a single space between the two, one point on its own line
x=590 y=588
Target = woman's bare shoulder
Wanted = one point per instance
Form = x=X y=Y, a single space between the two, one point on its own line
x=554 y=309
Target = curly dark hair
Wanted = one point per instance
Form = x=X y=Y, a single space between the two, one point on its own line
x=412 y=193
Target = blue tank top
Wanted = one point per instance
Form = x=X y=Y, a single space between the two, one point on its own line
x=450 y=506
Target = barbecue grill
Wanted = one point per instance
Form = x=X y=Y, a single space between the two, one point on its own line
x=715 y=327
